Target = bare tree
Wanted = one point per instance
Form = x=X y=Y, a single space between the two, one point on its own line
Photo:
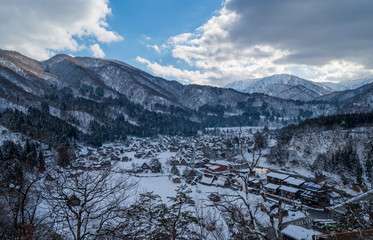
x=208 y=224
x=358 y=215
x=88 y=204
x=240 y=211
x=180 y=217
x=20 y=204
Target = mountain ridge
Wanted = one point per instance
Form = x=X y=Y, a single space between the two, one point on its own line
x=283 y=86
x=107 y=99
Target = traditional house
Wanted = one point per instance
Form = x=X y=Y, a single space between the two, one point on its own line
x=184 y=162
x=255 y=183
x=190 y=174
x=150 y=154
x=206 y=180
x=173 y=149
x=216 y=167
x=176 y=180
x=145 y=166
x=294 y=182
x=314 y=194
x=289 y=192
x=73 y=201
x=276 y=178
x=272 y=188
x=222 y=182
x=292 y=232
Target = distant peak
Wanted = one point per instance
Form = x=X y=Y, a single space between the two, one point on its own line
x=60 y=57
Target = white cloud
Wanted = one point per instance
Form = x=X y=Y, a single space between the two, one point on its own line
x=170 y=72
x=146 y=37
x=215 y=58
x=97 y=51
x=336 y=70
x=231 y=47
x=155 y=47
x=38 y=28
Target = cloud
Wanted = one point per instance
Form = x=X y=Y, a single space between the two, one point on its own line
x=323 y=40
x=315 y=31
x=39 y=28
x=170 y=72
x=97 y=51
x=155 y=47
x=146 y=37
x=336 y=70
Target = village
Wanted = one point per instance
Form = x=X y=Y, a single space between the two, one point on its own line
x=214 y=161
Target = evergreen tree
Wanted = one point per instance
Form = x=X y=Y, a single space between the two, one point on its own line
x=64 y=156
x=41 y=161
x=175 y=170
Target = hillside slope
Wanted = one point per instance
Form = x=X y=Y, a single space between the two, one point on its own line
x=283 y=86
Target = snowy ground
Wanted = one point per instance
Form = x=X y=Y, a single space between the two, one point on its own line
x=162 y=185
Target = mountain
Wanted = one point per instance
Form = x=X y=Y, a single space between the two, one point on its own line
x=334 y=85
x=347 y=85
x=98 y=100
x=360 y=99
x=282 y=86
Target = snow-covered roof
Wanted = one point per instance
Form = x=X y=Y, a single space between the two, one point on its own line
x=294 y=181
x=212 y=167
x=289 y=189
x=311 y=186
x=299 y=233
x=277 y=175
x=255 y=181
x=220 y=181
x=272 y=186
x=206 y=180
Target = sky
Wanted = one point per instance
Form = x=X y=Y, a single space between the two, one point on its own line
x=210 y=42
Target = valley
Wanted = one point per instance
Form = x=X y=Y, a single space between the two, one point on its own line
x=75 y=126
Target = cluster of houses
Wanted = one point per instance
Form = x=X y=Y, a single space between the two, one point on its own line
x=208 y=160
x=293 y=188
x=144 y=148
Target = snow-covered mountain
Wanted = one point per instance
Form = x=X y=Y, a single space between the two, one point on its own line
x=347 y=85
x=283 y=86
x=360 y=98
x=110 y=99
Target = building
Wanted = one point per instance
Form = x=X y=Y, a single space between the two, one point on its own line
x=276 y=178
x=145 y=166
x=293 y=232
x=207 y=180
x=216 y=167
x=73 y=201
x=294 y=182
x=222 y=182
x=255 y=183
x=272 y=188
x=289 y=192
x=314 y=194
